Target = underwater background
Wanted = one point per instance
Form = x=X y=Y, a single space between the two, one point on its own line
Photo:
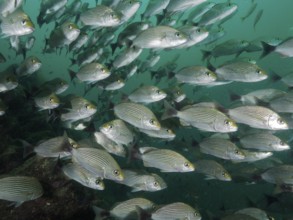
x=65 y=199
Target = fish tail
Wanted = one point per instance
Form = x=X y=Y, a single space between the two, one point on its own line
x=267 y=49
x=101 y=213
x=206 y=55
x=169 y=111
x=234 y=97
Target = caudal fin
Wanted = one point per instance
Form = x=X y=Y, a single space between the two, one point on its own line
x=169 y=111
x=267 y=49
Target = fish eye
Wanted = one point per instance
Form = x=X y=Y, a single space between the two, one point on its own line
x=280 y=121
x=237 y=152
x=98 y=181
x=195 y=214
x=152 y=121
x=112 y=15
x=103 y=70
x=282 y=143
x=34 y=60
x=116 y=172
x=155 y=184
x=61 y=83
x=110 y=126
x=228 y=122
x=259 y=71
x=87 y=106
x=223 y=173
x=198 y=30
x=186 y=164
x=169 y=131
x=208 y=73
x=24 y=21
x=158 y=91
x=177 y=34
x=9 y=79
x=51 y=99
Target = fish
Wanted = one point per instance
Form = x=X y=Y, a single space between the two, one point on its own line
x=80 y=109
x=196 y=75
x=279 y=175
x=228 y=47
x=176 y=6
x=238 y=216
x=252 y=156
x=218 y=13
x=147 y=94
x=109 y=145
x=285 y=48
x=29 y=66
x=263 y=141
x=17 y=23
x=137 y=115
x=62 y=36
x=117 y=131
x=159 y=37
x=56 y=85
x=54 y=147
x=80 y=41
x=221 y=148
x=20 y=189
x=45 y=100
x=257 y=18
x=258 y=117
x=164 y=159
x=99 y=162
x=7 y=6
x=240 y=71
x=205 y=118
x=194 y=35
x=263 y=95
x=212 y=170
x=127 y=9
x=100 y=16
x=200 y=10
x=155 y=7
x=83 y=176
x=8 y=81
x=126 y=209
x=174 y=211
x=176 y=93
x=249 y=12
x=255 y=213
x=91 y=73
x=283 y=103
x=143 y=181
x=163 y=133
x=126 y=57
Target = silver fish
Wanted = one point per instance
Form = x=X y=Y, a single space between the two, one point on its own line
x=100 y=16
x=200 y=10
x=109 y=145
x=176 y=6
x=17 y=23
x=29 y=66
x=54 y=147
x=255 y=213
x=283 y=103
x=241 y=71
x=147 y=94
x=279 y=174
x=7 y=6
x=155 y=7
x=212 y=170
x=165 y=160
x=175 y=211
x=80 y=109
x=263 y=141
x=163 y=133
x=56 y=85
x=249 y=12
x=196 y=75
x=252 y=156
x=217 y=13
x=118 y=132
x=45 y=100
x=99 y=162
x=257 y=18
x=221 y=148
x=126 y=57
x=127 y=9
x=205 y=118
x=92 y=73
x=194 y=35
x=83 y=176
x=285 y=48
x=8 y=81
x=20 y=189
x=159 y=37
x=126 y=209
x=143 y=182
x=137 y=115
x=258 y=117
